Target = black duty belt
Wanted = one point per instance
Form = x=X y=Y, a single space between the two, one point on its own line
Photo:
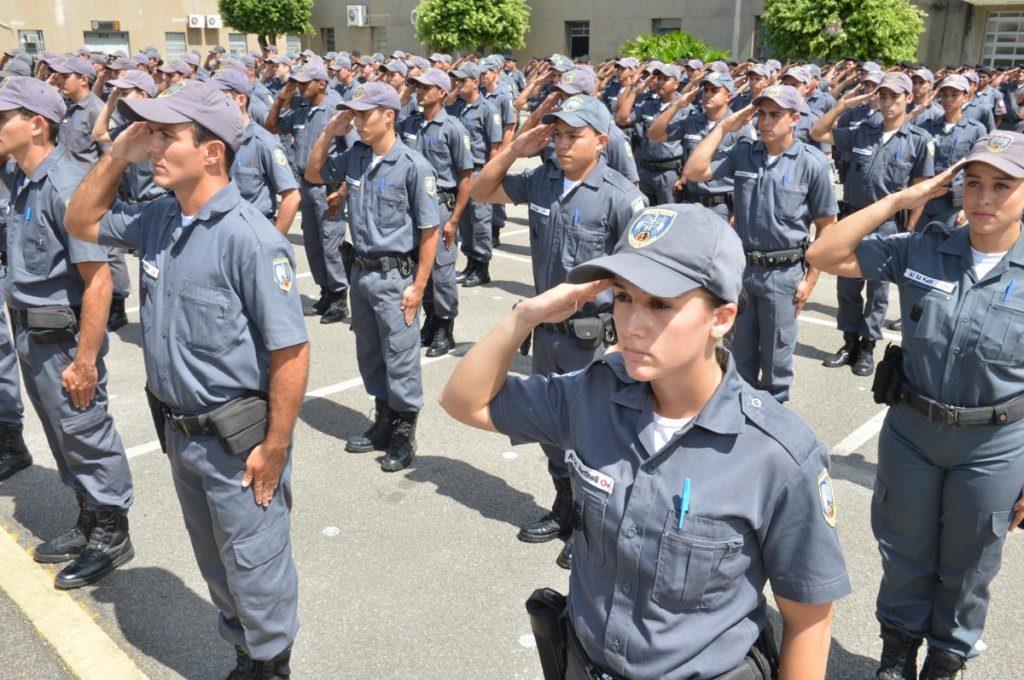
x=190 y=426
x=593 y=671
x=383 y=263
x=708 y=200
x=960 y=416
x=661 y=166
x=774 y=259
x=19 y=317
x=447 y=198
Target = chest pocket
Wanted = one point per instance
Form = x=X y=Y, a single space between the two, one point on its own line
x=583 y=243
x=1002 y=334
x=789 y=198
x=248 y=180
x=588 y=511
x=897 y=174
x=203 y=317
x=924 y=312
x=698 y=565
x=35 y=250
x=392 y=209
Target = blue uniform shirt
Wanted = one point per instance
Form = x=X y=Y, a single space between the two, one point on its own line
x=981 y=112
x=261 y=169
x=692 y=130
x=644 y=116
x=952 y=145
x=75 y=134
x=306 y=123
x=444 y=142
x=876 y=169
x=483 y=122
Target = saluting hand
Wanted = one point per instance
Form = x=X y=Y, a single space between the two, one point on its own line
x=735 y=121
x=263 y=472
x=852 y=100
x=340 y=124
x=532 y=142
x=561 y=302
x=132 y=145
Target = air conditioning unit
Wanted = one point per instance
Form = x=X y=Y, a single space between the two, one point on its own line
x=357 y=15
x=213 y=21
x=196 y=21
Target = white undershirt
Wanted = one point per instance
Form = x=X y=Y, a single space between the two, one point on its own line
x=984 y=262
x=568 y=185
x=772 y=159
x=186 y=220
x=947 y=127
x=374 y=160
x=886 y=136
x=666 y=428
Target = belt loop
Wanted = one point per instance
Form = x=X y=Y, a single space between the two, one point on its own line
x=1000 y=414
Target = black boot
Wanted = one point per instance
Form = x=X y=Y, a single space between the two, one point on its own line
x=337 y=308
x=564 y=559
x=555 y=524
x=444 y=341
x=109 y=547
x=378 y=436
x=899 y=655
x=118 y=317
x=479 y=276
x=495 y=236
x=429 y=328
x=464 y=274
x=847 y=354
x=402 y=448
x=865 y=363
x=70 y=544
x=942 y=665
x=896 y=325
x=320 y=306
x=14 y=455
x=247 y=668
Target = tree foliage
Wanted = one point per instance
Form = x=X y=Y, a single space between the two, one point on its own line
x=454 y=25
x=669 y=47
x=881 y=30
x=267 y=18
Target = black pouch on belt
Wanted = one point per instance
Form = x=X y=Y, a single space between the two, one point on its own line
x=545 y=607
x=51 y=324
x=611 y=336
x=888 y=376
x=347 y=249
x=240 y=424
x=761 y=662
x=156 y=410
x=588 y=332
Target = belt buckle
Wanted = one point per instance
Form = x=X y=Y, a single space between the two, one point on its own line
x=176 y=422
x=385 y=265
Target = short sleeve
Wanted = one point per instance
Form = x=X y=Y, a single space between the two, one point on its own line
x=278 y=171
x=517 y=185
x=460 y=145
x=630 y=205
x=924 y=164
x=286 y=121
x=723 y=163
x=336 y=167
x=121 y=227
x=676 y=128
x=536 y=409
x=423 y=196
x=843 y=138
x=508 y=113
x=494 y=128
x=799 y=544
x=821 y=195
x=882 y=258
x=270 y=295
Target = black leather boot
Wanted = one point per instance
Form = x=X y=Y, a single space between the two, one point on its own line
x=247 y=668
x=480 y=275
x=320 y=306
x=564 y=559
x=847 y=354
x=337 y=308
x=14 y=455
x=378 y=436
x=464 y=274
x=865 y=363
x=555 y=524
x=899 y=655
x=118 y=317
x=109 y=547
x=70 y=544
x=895 y=325
x=444 y=341
x=495 y=236
x=402 y=448
x=429 y=328
x=942 y=665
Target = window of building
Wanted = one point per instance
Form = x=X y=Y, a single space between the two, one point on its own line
x=237 y=43
x=663 y=26
x=293 y=44
x=577 y=38
x=31 y=41
x=106 y=42
x=1004 y=40
x=380 y=39
x=174 y=46
x=327 y=39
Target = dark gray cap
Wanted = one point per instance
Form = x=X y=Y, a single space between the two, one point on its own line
x=785 y=96
x=312 y=70
x=1000 y=149
x=719 y=79
x=898 y=82
x=98 y=59
x=340 y=63
x=190 y=101
x=673 y=249
x=276 y=59
x=581 y=110
x=467 y=70
x=139 y=80
x=395 y=66
x=955 y=81
x=248 y=61
x=372 y=95
x=232 y=79
x=77 y=65
x=178 y=66
x=16 y=67
x=21 y=92
x=218 y=49
x=577 y=81
x=434 y=77
x=799 y=74
x=761 y=70
x=669 y=70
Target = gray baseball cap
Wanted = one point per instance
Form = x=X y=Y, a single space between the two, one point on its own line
x=761 y=70
x=434 y=77
x=814 y=70
x=673 y=249
x=439 y=58
x=140 y=59
x=311 y=70
x=719 y=79
x=121 y=64
x=628 y=62
x=191 y=58
x=972 y=76
x=218 y=49
x=248 y=61
x=232 y=79
x=77 y=65
x=719 y=67
x=270 y=48
x=178 y=66
x=98 y=59
x=785 y=96
x=897 y=82
x=372 y=95
x=377 y=57
x=398 y=54
x=924 y=74
x=489 y=64
x=21 y=92
x=873 y=77
x=694 y=63
x=190 y=101
x=340 y=63
x=870 y=66
x=308 y=53
x=417 y=62
x=799 y=74
x=577 y=81
x=467 y=70
x=395 y=66
x=669 y=70
x=276 y=59
x=16 y=67
x=1001 y=149
x=139 y=80
x=561 y=63
x=955 y=81
x=580 y=110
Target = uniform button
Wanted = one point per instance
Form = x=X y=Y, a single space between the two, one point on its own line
x=956 y=350
x=755 y=402
x=966 y=319
x=614 y=646
x=631 y=532
x=163 y=334
x=1002 y=417
x=627 y=587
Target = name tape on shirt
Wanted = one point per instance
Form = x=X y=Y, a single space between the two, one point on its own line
x=596 y=479
x=862 y=152
x=539 y=210
x=744 y=173
x=353 y=181
x=150 y=269
x=696 y=138
x=945 y=286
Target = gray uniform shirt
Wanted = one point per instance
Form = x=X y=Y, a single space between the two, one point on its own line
x=483 y=122
x=75 y=134
x=261 y=169
x=443 y=141
x=953 y=145
x=692 y=130
x=876 y=169
x=644 y=116
x=306 y=123
x=649 y=598
x=217 y=296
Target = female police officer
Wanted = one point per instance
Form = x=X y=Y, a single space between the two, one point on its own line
x=950 y=460
x=691 y=488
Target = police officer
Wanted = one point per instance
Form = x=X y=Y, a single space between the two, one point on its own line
x=260 y=170
x=173 y=73
x=500 y=96
x=14 y=454
x=579 y=207
x=222 y=329
x=395 y=72
x=691 y=488
x=58 y=290
x=445 y=143
x=782 y=187
x=393 y=210
x=886 y=154
x=979 y=109
x=950 y=460
x=757 y=78
x=483 y=122
x=345 y=79
x=322 y=232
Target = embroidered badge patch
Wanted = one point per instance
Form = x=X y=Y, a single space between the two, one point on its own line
x=430 y=184
x=650 y=225
x=497 y=119
x=357 y=94
x=827 y=498
x=279 y=156
x=999 y=143
x=173 y=88
x=773 y=91
x=572 y=103
x=283 y=274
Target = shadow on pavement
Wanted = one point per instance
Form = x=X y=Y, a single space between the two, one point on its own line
x=514 y=288
x=514 y=249
x=854 y=468
x=42 y=504
x=827 y=310
x=809 y=352
x=335 y=420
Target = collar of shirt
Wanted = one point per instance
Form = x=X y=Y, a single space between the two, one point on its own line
x=47 y=164
x=959 y=243
x=592 y=180
x=439 y=119
x=222 y=202
x=84 y=103
x=250 y=130
x=792 y=150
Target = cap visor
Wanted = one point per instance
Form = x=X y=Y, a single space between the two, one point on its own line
x=300 y=78
x=460 y=74
x=357 y=106
x=646 y=274
x=153 y=110
x=123 y=84
x=568 y=117
x=8 y=102
x=60 y=68
x=569 y=89
x=995 y=160
x=764 y=97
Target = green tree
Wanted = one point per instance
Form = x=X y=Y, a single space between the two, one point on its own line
x=453 y=25
x=669 y=47
x=882 y=30
x=267 y=18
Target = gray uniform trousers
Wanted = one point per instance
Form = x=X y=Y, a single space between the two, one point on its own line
x=864 y=314
x=764 y=335
x=88 y=451
x=387 y=350
x=940 y=511
x=322 y=238
x=657 y=186
x=442 y=295
x=559 y=353
x=244 y=551
x=475 y=230
x=119 y=273
x=11 y=410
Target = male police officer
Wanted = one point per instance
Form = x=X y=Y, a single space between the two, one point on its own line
x=501 y=98
x=393 y=211
x=58 y=289
x=579 y=208
x=14 y=455
x=226 y=355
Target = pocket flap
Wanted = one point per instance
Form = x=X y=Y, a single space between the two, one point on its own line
x=260 y=548
x=404 y=339
x=83 y=421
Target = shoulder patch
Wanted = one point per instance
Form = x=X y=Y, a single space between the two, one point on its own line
x=827 y=498
x=466 y=143
x=279 y=156
x=283 y=274
x=430 y=184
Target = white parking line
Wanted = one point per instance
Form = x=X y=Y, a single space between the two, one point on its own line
x=861 y=435
x=895 y=337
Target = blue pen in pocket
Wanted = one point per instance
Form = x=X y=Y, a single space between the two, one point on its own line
x=684 y=503
x=28 y=214
x=576 y=217
x=1009 y=289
